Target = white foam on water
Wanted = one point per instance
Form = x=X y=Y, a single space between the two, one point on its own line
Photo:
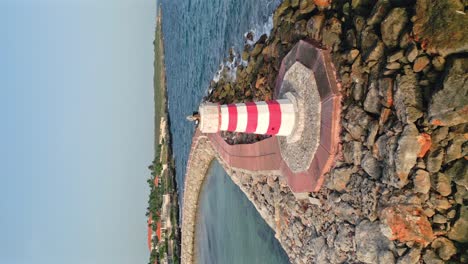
x=228 y=70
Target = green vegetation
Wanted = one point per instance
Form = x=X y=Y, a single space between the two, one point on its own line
x=159 y=78
x=162 y=168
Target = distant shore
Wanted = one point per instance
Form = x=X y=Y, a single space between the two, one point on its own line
x=164 y=240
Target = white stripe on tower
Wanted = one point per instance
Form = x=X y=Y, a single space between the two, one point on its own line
x=263 y=118
x=288 y=117
x=241 y=117
x=224 y=118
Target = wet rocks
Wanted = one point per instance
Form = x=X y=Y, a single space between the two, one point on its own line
x=449 y=106
x=392 y=26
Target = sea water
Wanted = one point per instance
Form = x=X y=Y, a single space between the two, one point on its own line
x=197 y=37
x=229 y=229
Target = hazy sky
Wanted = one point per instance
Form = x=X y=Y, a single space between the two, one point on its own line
x=76 y=111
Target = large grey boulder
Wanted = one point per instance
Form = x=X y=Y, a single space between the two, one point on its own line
x=449 y=106
x=371 y=245
x=393 y=25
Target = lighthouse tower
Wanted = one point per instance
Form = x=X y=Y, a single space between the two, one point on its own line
x=276 y=117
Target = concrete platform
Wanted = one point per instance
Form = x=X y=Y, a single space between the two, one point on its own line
x=266 y=155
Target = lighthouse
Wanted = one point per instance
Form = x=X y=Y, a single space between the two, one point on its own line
x=275 y=117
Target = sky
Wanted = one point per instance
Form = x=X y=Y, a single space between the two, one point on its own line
x=76 y=133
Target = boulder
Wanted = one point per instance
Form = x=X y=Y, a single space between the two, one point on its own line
x=352 y=152
x=280 y=11
x=422 y=181
x=441 y=26
x=454 y=149
x=371 y=245
x=392 y=26
x=378 y=13
x=434 y=159
x=412 y=257
x=430 y=257
x=449 y=106
x=340 y=178
x=458 y=172
x=461 y=194
x=425 y=142
x=371 y=166
x=408 y=98
x=386 y=91
x=444 y=248
x=442 y=183
x=314 y=26
x=344 y=240
x=459 y=231
x=361 y=6
x=371 y=103
x=331 y=33
x=406 y=223
x=406 y=153
x=420 y=63
x=412 y=52
x=395 y=56
x=306 y=6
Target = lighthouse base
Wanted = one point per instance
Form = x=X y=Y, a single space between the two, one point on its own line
x=300 y=87
x=307 y=77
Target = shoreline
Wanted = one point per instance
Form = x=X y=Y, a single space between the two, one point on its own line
x=164 y=202
x=402 y=156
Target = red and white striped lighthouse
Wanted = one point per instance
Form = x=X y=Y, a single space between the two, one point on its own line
x=276 y=117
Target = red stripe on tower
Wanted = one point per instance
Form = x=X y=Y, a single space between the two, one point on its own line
x=232 y=110
x=252 y=117
x=275 y=117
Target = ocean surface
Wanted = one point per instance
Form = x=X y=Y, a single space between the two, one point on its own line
x=197 y=37
x=229 y=228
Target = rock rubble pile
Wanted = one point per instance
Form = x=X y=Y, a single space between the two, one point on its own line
x=399 y=191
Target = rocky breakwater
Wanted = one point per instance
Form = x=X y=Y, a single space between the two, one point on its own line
x=201 y=156
x=399 y=191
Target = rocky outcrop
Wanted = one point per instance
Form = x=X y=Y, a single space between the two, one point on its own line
x=449 y=106
x=441 y=26
x=398 y=191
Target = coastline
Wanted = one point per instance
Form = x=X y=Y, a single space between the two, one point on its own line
x=163 y=210
x=390 y=174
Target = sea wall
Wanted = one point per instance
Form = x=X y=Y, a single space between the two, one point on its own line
x=201 y=156
x=399 y=191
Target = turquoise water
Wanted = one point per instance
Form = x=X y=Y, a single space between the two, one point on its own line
x=229 y=229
